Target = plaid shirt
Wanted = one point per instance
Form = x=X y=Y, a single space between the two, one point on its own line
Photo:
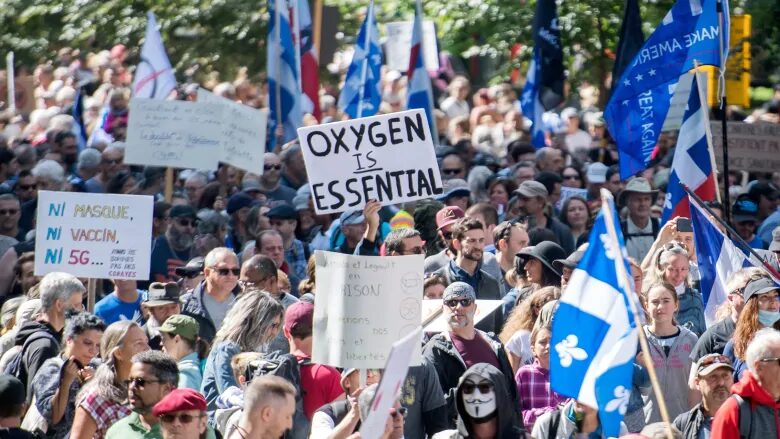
x=104 y=412
x=533 y=390
x=296 y=259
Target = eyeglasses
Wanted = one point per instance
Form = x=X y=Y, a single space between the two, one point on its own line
x=28 y=187
x=451 y=171
x=228 y=271
x=274 y=167
x=771 y=360
x=400 y=411
x=139 y=382
x=184 y=418
x=186 y=222
x=468 y=388
x=9 y=212
x=452 y=303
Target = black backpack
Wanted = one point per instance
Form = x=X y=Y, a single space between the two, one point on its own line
x=16 y=366
x=288 y=367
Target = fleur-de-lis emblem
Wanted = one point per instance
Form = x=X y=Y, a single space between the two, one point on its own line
x=620 y=403
x=668 y=201
x=568 y=351
x=608 y=250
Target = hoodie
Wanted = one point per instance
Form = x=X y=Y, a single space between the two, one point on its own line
x=509 y=424
x=765 y=418
x=45 y=345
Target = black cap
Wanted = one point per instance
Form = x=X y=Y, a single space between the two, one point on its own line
x=768 y=190
x=11 y=390
x=195 y=265
x=162 y=294
x=282 y=211
x=239 y=201
x=182 y=211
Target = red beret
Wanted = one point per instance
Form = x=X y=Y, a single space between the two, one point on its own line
x=180 y=400
x=299 y=314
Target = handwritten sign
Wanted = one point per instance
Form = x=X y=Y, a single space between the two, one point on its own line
x=94 y=235
x=389 y=158
x=389 y=388
x=177 y=134
x=399 y=44
x=243 y=133
x=439 y=324
x=753 y=147
x=364 y=304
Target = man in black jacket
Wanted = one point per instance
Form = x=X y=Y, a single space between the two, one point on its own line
x=713 y=379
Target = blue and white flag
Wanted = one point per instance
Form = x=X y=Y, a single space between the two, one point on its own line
x=531 y=105
x=154 y=78
x=361 y=94
x=689 y=33
x=284 y=94
x=594 y=333
x=419 y=94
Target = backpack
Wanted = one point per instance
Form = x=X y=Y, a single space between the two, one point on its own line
x=16 y=366
x=745 y=417
x=288 y=367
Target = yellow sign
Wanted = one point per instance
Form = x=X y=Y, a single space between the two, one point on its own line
x=737 y=66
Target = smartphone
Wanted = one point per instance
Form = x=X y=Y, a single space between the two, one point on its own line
x=684 y=225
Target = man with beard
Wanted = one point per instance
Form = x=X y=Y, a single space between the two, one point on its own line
x=162 y=301
x=173 y=249
x=111 y=163
x=270 y=181
x=61 y=296
x=468 y=242
x=152 y=376
x=65 y=144
x=714 y=380
x=532 y=199
x=485 y=406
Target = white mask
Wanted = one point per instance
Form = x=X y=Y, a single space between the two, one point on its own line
x=478 y=404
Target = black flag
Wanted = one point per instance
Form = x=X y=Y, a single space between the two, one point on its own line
x=631 y=40
x=548 y=53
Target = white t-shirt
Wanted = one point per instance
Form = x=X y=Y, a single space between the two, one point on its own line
x=520 y=345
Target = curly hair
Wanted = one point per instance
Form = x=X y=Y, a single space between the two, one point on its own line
x=524 y=316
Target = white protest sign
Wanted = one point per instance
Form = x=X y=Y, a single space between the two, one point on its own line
x=439 y=323
x=568 y=192
x=393 y=376
x=364 y=304
x=243 y=133
x=102 y=236
x=389 y=158
x=398 y=45
x=177 y=134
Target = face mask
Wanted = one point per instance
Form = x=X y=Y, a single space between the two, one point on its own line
x=768 y=318
x=478 y=405
x=70 y=312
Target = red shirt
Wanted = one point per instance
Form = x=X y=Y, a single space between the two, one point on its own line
x=474 y=351
x=321 y=385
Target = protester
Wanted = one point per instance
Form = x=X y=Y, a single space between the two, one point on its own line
x=284 y=219
x=574 y=419
x=509 y=239
x=161 y=302
x=532 y=203
x=537 y=263
x=269 y=404
x=516 y=334
x=179 y=337
x=182 y=414
x=12 y=410
x=533 y=380
x=394 y=425
x=60 y=378
x=191 y=274
x=713 y=379
x=124 y=303
x=576 y=215
x=175 y=248
x=639 y=229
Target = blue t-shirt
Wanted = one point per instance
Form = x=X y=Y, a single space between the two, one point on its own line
x=111 y=309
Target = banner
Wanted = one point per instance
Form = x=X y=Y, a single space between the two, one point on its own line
x=177 y=134
x=398 y=44
x=753 y=147
x=102 y=236
x=364 y=304
x=243 y=132
x=389 y=158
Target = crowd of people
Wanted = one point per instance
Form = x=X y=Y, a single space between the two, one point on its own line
x=218 y=341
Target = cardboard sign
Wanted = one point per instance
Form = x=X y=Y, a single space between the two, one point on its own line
x=389 y=388
x=177 y=134
x=399 y=44
x=753 y=147
x=389 y=158
x=101 y=236
x=364 y=304
x=243 y=133
x=568 y=192
x=431 y=308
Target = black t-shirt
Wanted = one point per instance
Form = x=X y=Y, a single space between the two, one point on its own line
x=16 y=433
x=714 y=339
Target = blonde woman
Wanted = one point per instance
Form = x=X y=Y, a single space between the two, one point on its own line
x=517 y=329
x=103 y=400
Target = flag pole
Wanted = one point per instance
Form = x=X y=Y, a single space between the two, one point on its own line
x=278 y=37
x=364 y=67
x=622 y=273
x=11 y=81
x=297 y=33
x=317 y=27
x=723 y=108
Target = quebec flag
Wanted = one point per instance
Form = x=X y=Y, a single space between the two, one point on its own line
x=594 y=333
x=693 y=163
x=532 y=105
x=420 y=94
x=284 y=94
x=689 y=33
x=361 y=94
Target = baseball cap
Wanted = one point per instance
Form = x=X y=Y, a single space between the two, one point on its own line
x=459 y=289
x=758 y=287
x=300 y=314
x=180 y=400
x=193 y=267
x=282 y=211
x=181 y=325
x=768 y=190
x=162 y=294
x=774 y=246
x=239 y=201
x=250 y=185
x=597 y=173
x=11 y=390
x=351 y=218
x=745 y=209
x=710 y=362
x=456 y=187
x=448 y=215
x=182 y=211
x=531 y=189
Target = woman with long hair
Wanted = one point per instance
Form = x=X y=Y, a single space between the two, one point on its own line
x=60 y=378
x=572 y=177
x=761 y=310
x=670 y=348
x=537 y=263
x=672 y=264
x=517 y=329
x=103 y=400
x=250 y=325
x=575 y=214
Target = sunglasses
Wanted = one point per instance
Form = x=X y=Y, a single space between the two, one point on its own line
x=274 y=167
x=184 y=418
x=139 y=382
x=186 y=222
x=711 y=359
x=4 y=212
x=452 y=303
x=228 y=271
x=446 y=171
x=400 y=411
x=28 y=187
x=468 y=388
x=113 y=162
x=571 y=177
x=191 y=274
